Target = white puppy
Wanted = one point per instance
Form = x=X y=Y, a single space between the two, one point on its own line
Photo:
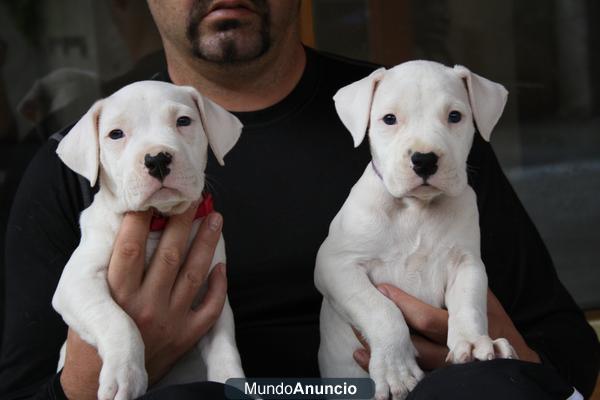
x=147 y=144
x=410 y=221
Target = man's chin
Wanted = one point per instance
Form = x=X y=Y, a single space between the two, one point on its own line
x=232 y=48
x=225 y=42
x=234 y=33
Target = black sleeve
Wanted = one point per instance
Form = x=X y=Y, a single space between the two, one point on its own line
x=522 y=276
x=42 y=232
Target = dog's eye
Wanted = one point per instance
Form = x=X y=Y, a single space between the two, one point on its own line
x=116 y=134
x=184 y=121
x=389 y=119
x=454 y=117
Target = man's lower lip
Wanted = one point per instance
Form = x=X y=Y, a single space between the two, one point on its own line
x=237 y=12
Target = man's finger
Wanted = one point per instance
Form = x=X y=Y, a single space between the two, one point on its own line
x=429 y=321
x=208 y=311
x=168 y=256
x=198 y=262
x=362 y=358
x=361 y=339
x=126 y=266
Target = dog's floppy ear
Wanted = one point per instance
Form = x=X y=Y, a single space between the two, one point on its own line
x=353 y=104
x=487 y=100
x=222 y=128
x=80 y=149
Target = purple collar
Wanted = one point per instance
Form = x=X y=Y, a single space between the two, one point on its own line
x=376 y=170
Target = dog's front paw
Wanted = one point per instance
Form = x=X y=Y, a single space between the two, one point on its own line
x=483 y=348
x=122 y=379
x=394 y=371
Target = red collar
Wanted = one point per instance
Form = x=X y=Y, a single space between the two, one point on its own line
x=159 y=222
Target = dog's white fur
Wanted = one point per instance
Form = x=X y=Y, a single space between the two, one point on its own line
x=147 y=113
x=422 y=239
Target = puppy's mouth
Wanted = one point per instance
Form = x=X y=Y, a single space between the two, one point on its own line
x=425 y=188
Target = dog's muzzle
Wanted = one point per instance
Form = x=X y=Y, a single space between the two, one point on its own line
x=158 y=165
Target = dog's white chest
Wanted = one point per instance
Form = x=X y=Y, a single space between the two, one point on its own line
x=415 y=266
x=407 y=243
x=414 y=252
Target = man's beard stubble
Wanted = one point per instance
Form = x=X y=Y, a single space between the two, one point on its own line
x=226 y=49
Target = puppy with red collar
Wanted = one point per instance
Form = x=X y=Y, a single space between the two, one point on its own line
x=147 y=145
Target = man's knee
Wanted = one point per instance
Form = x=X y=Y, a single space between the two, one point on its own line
x=496 y=379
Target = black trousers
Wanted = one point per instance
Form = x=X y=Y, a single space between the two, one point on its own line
x=481 y=380
x=493 y=380
x=195 y=391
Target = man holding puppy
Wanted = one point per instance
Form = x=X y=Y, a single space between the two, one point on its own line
x=281 y=186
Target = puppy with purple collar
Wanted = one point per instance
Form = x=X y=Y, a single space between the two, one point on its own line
x=411 y=221
x=147 y=146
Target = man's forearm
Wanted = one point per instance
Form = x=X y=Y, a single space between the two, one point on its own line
x=79 y=378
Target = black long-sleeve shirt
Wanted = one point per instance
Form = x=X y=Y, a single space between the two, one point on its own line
x=281 y=186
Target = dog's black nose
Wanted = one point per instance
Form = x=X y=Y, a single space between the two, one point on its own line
x=158 y=165
x=424 y=164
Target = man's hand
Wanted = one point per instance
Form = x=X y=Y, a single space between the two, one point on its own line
x=159 y=299
x=429 y=327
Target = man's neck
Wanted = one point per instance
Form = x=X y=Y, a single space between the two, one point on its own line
x=242 y=87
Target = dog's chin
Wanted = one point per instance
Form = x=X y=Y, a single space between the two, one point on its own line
x=166 y=201
x=424 y=192
x=416 y=190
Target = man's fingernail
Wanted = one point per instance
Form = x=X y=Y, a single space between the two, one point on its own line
x=214 y=221
x=223 y=269
x=384 y=291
